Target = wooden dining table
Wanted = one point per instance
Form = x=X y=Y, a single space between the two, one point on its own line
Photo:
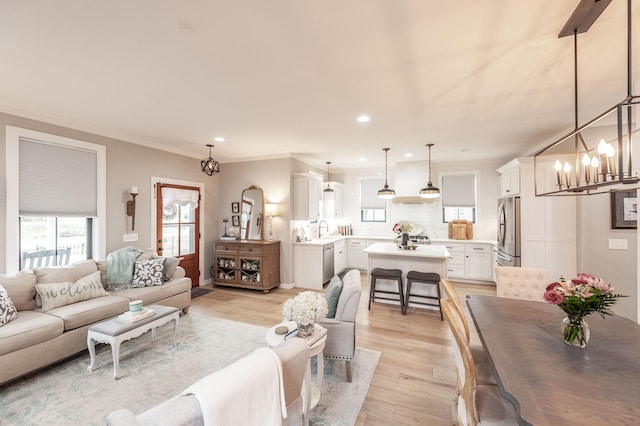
x=550 y=382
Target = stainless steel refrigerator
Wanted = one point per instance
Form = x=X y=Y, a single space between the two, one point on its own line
x=508 y=249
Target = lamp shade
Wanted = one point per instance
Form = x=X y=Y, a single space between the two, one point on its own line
x=271 y=209
x=210 y=166
x=386 y=193
x=429 y=191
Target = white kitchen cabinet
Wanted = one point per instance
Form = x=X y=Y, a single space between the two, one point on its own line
x=356 y=258
x=339 y=256
x=469 y=260
x=307 y=193
x=307 y=266
x=509 y=179
x=332 y=201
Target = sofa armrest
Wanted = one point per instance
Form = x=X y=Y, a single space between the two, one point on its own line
x=122 y=417
x=180 y=273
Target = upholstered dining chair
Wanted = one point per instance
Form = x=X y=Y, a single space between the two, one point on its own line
x=476 y=404
x=485 y=375
x=341 y=330
x=521 y=283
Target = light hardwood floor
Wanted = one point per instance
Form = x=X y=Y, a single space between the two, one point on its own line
x=414 y=383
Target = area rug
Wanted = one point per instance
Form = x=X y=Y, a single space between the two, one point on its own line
x=152 y=372
x=199 y=291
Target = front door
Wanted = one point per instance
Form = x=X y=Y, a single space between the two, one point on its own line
x=178 y=226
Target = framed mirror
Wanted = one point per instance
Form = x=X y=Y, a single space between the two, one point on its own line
x=252 y=214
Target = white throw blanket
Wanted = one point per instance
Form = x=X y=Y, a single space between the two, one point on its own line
x=250 y=391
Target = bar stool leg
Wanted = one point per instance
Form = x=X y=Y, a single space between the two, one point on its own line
x=403 y=306
x=372 y=290
x=406 y=296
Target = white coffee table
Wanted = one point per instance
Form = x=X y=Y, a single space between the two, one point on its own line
x=316 y=342
x=114 y=332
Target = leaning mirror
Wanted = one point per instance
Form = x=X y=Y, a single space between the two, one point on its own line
x=251 y=214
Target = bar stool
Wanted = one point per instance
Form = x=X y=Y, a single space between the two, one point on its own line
x=387 y=274
x=429 y=278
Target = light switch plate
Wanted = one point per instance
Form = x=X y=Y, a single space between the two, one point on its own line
x=129 y=237
x=618 y=244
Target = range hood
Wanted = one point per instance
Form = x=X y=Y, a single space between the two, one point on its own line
x=412 y=199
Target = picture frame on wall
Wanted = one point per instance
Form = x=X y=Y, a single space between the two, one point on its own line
x=235 y=220
x=235 y=207
x=624 y=210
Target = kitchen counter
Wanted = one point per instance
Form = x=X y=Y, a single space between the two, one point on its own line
x=334 y=238
x=421 y=250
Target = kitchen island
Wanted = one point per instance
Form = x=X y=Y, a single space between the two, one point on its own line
x=424 y=258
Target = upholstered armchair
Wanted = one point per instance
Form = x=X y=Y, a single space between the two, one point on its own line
x=341 y=330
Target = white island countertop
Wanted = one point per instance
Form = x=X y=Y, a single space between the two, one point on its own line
x=422 y=250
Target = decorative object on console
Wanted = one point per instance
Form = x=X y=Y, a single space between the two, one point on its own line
x=386 y=193
x=131 y=206
x=403 y=228
x=578 y=298
x=305 y=309
x=328 y=188
x=624 y=209
x=271 y=210
x=225 y=221
x=585 y=164
x=429 y=191
x=209 y=165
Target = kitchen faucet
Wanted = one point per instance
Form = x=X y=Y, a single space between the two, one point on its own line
x=320 y=228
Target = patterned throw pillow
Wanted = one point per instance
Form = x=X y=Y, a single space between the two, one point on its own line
x=332 y=294
x=54 y=295
x=8 y=311
x=148 y=273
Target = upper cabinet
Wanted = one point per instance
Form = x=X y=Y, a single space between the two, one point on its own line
x=307 y=193
x=332 y=201
x=509 y=179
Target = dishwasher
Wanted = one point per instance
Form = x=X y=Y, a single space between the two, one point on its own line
x=327 y=263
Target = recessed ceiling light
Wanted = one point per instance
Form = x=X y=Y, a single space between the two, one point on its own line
x=219 y=139
x=408 y=154
x=363 y=118
x=464 y=150
x=363 y=159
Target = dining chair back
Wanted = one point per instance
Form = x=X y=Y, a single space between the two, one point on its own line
x=39 y=258
x=521 y=283
x=452 y=295
x=476 y=404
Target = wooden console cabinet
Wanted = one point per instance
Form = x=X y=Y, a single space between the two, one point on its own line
x=247 y=264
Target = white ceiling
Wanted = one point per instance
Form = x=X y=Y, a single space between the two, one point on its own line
x=481 y=79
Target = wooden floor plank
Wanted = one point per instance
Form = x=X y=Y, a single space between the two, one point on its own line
x=415 y=379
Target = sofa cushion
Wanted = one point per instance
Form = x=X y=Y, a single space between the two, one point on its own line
x=90 y=311
x=54 y=295
x=28 y=329
x=332 y=294
x=8 y=311
x=102 y=267
x=21 y=288
x=148 y=273
x=150 y=295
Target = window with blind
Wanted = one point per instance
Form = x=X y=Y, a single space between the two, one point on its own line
x=372 y=208
x=56 y=191
x=459 y=197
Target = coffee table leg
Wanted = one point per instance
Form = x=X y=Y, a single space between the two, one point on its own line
x=153 y=334
x=320 y=372
x=115 y=352
x=91 y=345
x=175 y=329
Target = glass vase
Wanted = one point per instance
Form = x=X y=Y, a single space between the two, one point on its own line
x=305 y=330
x=405 y=239
x=575 y=331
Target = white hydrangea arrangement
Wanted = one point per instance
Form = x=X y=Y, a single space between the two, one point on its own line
x=306 y=308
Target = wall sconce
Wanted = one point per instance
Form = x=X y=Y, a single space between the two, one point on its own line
x=131 y=206
x=271 y=210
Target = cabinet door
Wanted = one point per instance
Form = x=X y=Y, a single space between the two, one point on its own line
x=356 y=257
x=306 y=197
x=315 y=194
x=510 y=182
x=478 y=266
x=307 y=267
x=226 y=267
x=340 y=257
x=250 y=270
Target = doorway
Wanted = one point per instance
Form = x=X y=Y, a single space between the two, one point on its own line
x=178 y=226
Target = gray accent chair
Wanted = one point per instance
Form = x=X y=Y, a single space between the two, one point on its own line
x=341 y=330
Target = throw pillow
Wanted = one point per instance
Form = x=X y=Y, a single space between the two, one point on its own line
x=332 y=294
x=148 y=273
x=170 y=266
x=54 y=295
x=21 y=288
x=8 y=311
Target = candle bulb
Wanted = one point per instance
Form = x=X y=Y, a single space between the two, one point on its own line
x=134 y=190
x=567 y=171
x=602 y=150
x=586 y=163
x=611 y=160
x=558 y=167
x=595 y=163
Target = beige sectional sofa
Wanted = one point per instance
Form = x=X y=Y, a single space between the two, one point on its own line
x=36 y=339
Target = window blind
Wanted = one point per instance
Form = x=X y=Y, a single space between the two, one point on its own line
x=57 y=180
x=459 y=190
x=369 y=194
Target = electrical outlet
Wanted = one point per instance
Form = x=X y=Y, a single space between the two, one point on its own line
x=126 y=238
x=618 y=244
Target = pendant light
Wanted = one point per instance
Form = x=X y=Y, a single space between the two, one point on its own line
x=429 y=191
x=328 y=188
x=386 y=193
x=210 y=166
